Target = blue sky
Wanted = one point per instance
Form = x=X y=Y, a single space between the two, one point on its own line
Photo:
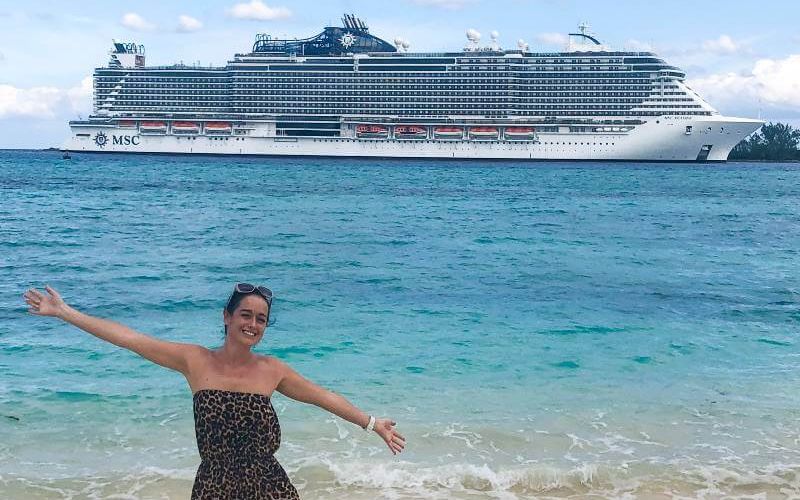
x=742 y=56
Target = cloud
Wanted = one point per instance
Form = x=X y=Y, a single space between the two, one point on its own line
x=772 y=82
x=722 y=45
x=35 y=102
x=2 y=57
x=187 y=24
x=45 y=102
x=444 y=4
x=638 y=46
x=552 y=38
x=136 y=22
x=257 y=10
x=80 y=97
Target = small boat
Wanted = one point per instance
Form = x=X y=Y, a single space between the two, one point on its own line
x=217 y=128
x=185 y=128
x=126 y=124
x=153 y=127
x=520 y=133
x=450 y=133
x=364 y=131
x=66 y=156
x=410 y=132
x=484 y=133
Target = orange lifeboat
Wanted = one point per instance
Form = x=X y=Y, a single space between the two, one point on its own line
x=218 y=128
x=153 y=127
x=126 y=124
x=448 y=132
x=364 y=131
x=184 y=128
x=520 y=133
x=484 y=133
x=410 y=132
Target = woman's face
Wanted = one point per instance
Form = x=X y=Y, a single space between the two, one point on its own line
x=248 y=321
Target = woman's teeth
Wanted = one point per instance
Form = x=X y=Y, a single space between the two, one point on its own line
x=249 y=334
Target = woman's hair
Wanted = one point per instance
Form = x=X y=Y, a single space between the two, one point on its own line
x=237 y=298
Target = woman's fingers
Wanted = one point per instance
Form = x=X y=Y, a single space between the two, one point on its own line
x=52 y=291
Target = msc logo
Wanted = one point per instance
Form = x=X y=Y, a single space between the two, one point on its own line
x=101 y=139
x=125 y=140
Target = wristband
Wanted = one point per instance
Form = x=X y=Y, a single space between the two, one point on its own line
x=371 y=424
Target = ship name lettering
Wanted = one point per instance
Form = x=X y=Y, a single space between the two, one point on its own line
x=125 y=140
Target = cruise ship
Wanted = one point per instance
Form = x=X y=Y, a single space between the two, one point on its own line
x=348 y=93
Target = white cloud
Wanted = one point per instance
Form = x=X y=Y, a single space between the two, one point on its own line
x=188 y=23
x=552 y=38
x=771 y=82
x=136 y=22
x=80 y=97
x=722 y=45
x=257 y=10
x=45 y=102
x=638 y=46
x=444 y=4
x=36 y=101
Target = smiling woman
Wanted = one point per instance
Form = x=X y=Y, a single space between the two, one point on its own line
x=236 y=426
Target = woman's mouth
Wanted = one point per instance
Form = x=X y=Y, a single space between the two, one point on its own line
x=249 y=333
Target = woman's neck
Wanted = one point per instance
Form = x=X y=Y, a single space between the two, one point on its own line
x=234 y=354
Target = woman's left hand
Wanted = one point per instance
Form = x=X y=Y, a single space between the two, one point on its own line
x=394 y=440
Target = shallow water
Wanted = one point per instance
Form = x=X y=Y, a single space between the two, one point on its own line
x=548 y=329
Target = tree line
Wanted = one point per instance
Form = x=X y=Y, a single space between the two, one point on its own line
x=772 y=142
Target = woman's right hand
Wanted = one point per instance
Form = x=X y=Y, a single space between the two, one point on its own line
x=44 y=305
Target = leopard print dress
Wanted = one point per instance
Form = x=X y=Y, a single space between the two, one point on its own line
x=237 y=435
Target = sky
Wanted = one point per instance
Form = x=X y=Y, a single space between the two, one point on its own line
x=742 y=56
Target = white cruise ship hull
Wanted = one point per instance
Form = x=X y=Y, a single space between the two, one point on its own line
x=665 y=138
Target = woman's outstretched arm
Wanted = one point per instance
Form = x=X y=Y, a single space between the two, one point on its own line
x=293 y=385
x=168 y=354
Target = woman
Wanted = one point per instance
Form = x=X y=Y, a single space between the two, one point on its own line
x=236 y=427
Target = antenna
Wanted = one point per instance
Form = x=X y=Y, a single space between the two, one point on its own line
x=583 y=27
x=495 y=44
x=474 y=37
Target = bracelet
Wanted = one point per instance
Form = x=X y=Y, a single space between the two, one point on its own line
x=371 y=424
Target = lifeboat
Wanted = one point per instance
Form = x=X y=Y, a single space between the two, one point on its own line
x=153 y=127
x=448 y=132
x=126 y=124
x=484 y=133
x=410 y=132
x=520 y=133
x=372 y=131
x=185 y=128
x=218 y=128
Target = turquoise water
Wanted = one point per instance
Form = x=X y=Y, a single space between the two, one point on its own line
x=537 y=330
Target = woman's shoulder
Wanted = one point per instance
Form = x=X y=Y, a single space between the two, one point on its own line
x=271 y=362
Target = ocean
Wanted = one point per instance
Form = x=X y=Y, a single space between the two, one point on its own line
x=537 y=330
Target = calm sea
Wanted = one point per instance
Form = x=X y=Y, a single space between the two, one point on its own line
x=537 y=330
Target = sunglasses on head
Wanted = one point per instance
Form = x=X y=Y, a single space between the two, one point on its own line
x=246 y=288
